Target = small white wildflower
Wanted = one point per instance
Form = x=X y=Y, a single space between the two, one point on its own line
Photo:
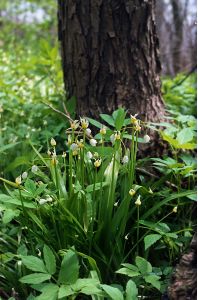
x=49 y=152
x=18 y=180
x=39 y=252
x=89 y=155
x=138 y=201
x=112 y=138
x=84 y=123
x=132 y=192
x=97 y=163
x=74 y=124
x=34 y=169
x=88 y=131
x=74 y=147
x=49 y=199
x=27 y=135
x=137 y=127
x=64 y=154
x=24 y=175
x=53 y=142
x=117 y=135
x=175 y=209
x=147 y=138
x=93 y=142
x=75 y=152
x=44 y=122
x=125 y=159
x=126 y=236
x=33 y=129
x=103 y=130
x=116 y=204
x=150 y=191
x=42 y=201
x=134 y=121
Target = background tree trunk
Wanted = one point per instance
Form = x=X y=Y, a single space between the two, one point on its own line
x=178 y=34
x=110 y=56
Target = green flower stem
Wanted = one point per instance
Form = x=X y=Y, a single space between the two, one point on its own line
x=138 y=227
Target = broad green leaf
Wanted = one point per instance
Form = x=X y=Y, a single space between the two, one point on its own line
x=151 y=239
x=65 y=291
x=98 y=186
x=49 y=292
x=128 y=272
x=185 y=136
x=30 y=186
x=153 y=280
x=112 y=292
x=119 y=117
x=95 y=123
x=131 y=291
x=143 y=265
x=108 y=119
x=11 y=200
x=34 y=263
x=9 y=215
x=69 y=268
x=49 y=259
x=35 y=278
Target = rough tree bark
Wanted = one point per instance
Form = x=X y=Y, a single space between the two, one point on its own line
x=110 y=56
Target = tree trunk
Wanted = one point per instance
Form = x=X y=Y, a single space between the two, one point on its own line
x=110 y=56
x=178 y=35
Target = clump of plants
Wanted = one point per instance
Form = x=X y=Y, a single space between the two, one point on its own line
x=91 y=220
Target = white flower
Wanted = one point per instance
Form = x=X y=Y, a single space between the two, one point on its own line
x=117 y=135
x=53 y=142
x=43 y=201
x=150 y=191
x=18 y=180
x=74 y=147
x=89 y=155
x=103 y=130
x=97 y=163
x=64 y=154
x=74 y=124
x=88 y=131
x=24 y=175
x=125 y=159
x=112 y=138
x=147 y=138
x=45 y=122
x=84 y=123
x=138 y=201
x=34 y=169
x=49 y=152
x=132 y=192
x=175 y=209
x=93 y=142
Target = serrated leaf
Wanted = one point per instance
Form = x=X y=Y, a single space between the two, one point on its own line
x=9 y=215
x=49 y=259
x=65 y=291
x=69 y=268
x=35 y=278
x=34 y=263
x=112 y=292
x=143 y=265
x=131 y=291
x=49 y=292
x=151 y=239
